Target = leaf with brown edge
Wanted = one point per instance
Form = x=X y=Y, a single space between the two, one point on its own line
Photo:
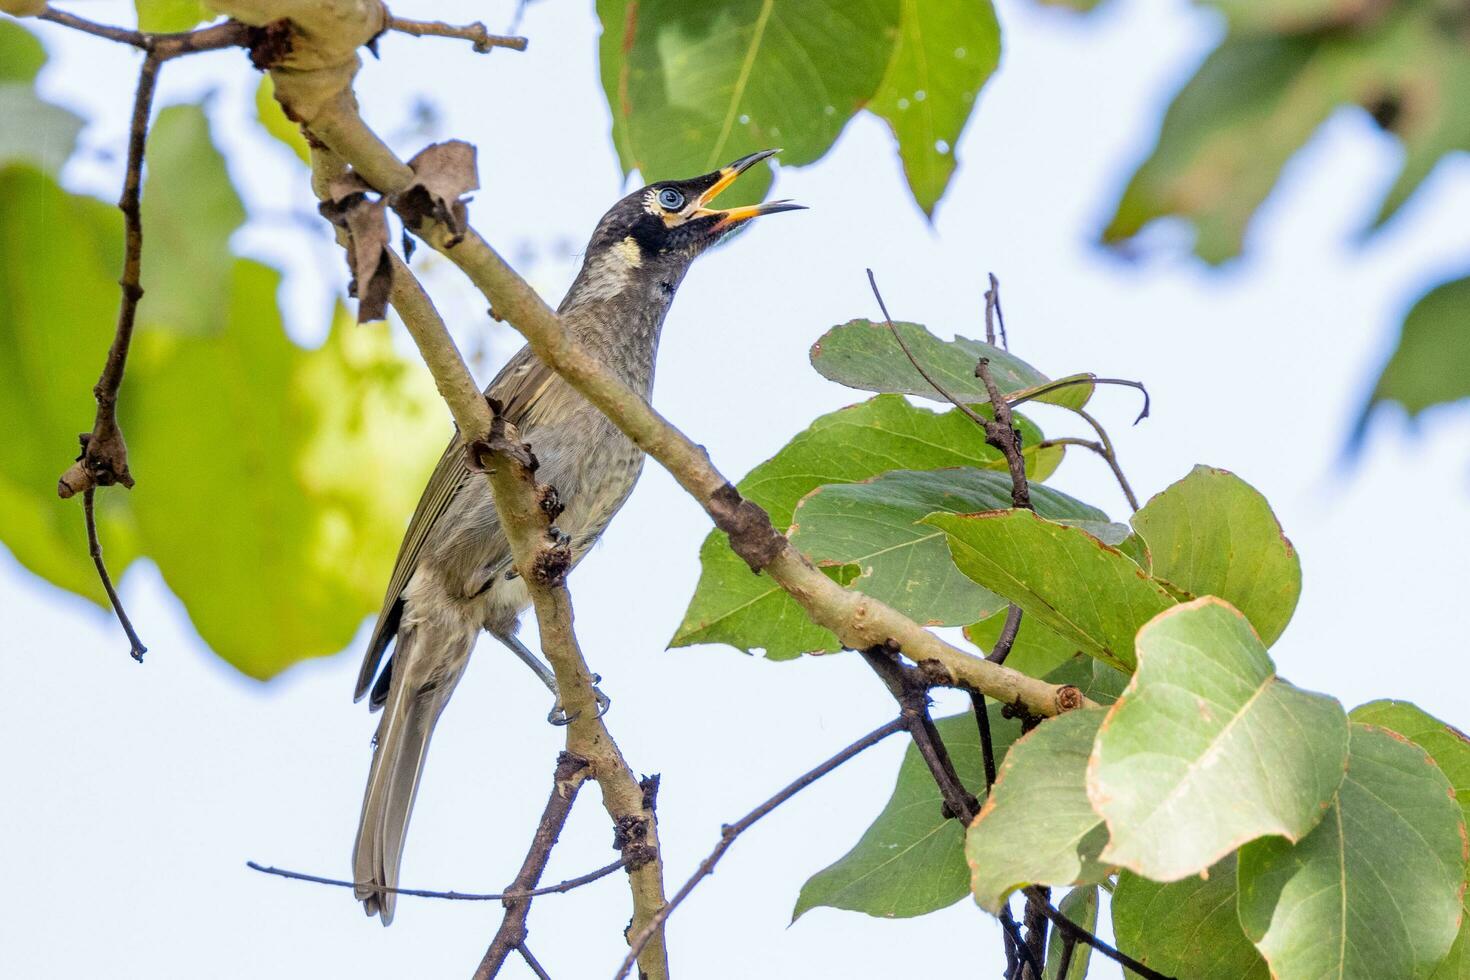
x=1208 y=749
x=1037 y=826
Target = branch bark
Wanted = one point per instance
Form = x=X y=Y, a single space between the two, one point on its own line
x=566 y=780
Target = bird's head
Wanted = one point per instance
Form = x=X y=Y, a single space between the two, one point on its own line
x=669 y=223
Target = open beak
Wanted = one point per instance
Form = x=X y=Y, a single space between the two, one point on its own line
x=733 y=216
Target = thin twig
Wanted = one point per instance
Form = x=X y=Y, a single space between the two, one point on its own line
x=1064 y=962
x=993 y=314
x=1002 y=434
x=729 y=832
x=1110 y=453
x=567 y=779
x=565 y=886
x=475 y=33
x=970 y=413
x=987 y=740
x=230 y=34
x=1050 y=387
x=531 y=961
x=1077 y=933
x=1007 y=638
x=1013 y=935
x=1036 y=929
x=136 y=647
x=104 y=458
x=1108 y=457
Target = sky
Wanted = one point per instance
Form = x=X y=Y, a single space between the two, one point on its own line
x=135 y=795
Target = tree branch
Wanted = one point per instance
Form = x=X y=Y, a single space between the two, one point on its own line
x=567 y=779
x=729 y=832
x=475 y=33
x=557 y=889
x=164 y=47
x=542 y=561
x=531 y=961
x=1075 y=932
x=94 y=547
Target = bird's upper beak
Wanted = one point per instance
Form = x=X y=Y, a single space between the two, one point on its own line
x=723 y=178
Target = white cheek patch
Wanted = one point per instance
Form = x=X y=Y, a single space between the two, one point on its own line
x=628 y=252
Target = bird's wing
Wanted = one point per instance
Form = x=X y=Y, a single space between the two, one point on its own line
x=517 y=387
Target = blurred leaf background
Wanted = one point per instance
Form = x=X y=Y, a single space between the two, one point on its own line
x=275 y=519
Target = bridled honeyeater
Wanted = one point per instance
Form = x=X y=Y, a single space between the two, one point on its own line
x=454 y=575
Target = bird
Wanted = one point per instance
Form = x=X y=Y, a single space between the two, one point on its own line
x=454 y=575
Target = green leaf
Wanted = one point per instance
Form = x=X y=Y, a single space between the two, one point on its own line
x=1450 y=749
x=1208 y=749
x=730 y=605
x=944 y=54
x=58 y=309
x=1186 y=928
x=273 y=118
x=1038 y=649
x=315 y=508
x=171 y=16
x=693 y=86
x=1088 y=592
x=1261 y=95
x=1079 y=906
x=1431 y=364
x=864 y=355
x=1214 y=534
x=1037 y=827
x=1447 y=746
x=1224 y=140
x=875 y=525
x=190 y=209
x=911 y=861
x=21 y=53
x=1375 y=890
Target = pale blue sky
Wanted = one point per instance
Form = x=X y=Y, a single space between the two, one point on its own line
x=135 y=795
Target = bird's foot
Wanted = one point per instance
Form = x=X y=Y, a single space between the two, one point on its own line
x=558 y=714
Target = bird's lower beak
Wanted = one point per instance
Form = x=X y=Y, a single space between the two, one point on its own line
x=724 y=178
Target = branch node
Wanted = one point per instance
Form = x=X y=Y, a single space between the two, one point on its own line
x=749 y=527
x=270 y=45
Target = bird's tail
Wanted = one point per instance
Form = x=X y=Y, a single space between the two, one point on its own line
x=416 y=697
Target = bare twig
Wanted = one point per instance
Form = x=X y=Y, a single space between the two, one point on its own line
x=1110 y=458
x=729 y=832
x=475 y=33
x=1064 y=961
x=1110 y=453
x=1002 y=434
x=1075 y=932
x=104 y=459
x=564 y=886
x=1048 y=388
x=987 y=740
x=969 y=412
x=230 y=34
x=531 y=961
x=94 y=546
x=567 y=779
x=993 y=314
x=1018 y=953
x=1036 y=930
x=1007 y=638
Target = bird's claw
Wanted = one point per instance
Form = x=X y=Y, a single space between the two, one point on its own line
x=558 y=715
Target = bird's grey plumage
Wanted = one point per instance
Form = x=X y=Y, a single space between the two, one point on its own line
x=453 y=576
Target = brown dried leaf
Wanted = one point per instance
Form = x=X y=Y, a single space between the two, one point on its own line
x=365 y=219
x=445 y=172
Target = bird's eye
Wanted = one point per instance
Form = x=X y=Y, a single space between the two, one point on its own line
x=670 y=199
